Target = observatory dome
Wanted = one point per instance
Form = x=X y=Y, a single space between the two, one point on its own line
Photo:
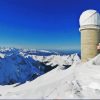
x=90 y=17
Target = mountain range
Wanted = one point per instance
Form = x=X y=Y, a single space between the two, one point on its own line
x=21 y=65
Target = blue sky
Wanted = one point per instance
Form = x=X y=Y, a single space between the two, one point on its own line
x=42 y=24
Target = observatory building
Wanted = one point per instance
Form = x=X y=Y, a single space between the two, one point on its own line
x=90 y=34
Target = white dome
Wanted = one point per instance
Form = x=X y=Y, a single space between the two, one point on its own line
x=90 y=17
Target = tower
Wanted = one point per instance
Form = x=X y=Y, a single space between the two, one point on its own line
x=90 y=34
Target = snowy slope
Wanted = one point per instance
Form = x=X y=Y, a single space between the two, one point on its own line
x=80 y=81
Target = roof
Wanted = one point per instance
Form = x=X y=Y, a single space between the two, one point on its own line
x=89 y=17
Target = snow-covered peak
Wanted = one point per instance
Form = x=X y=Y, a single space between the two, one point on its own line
x=58 y=59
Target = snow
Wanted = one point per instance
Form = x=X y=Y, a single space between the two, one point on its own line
x=45 y=51
x=2 y=55
x=80 y=81
x=57 y=59
x=94 y=85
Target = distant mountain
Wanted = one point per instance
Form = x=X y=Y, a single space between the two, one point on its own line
x=21 y=65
